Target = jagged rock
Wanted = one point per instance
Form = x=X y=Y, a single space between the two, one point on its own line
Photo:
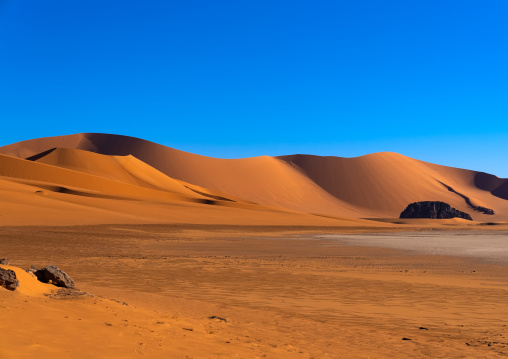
x=8 y=279
x=55 y=275
x=5 y=261
x=32 y=270
x=433 y=209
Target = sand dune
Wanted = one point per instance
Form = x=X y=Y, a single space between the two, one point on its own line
x=54 y=176
x=35 y=193
x=263 y=180
x=387 y=182
x=126 y=169
x=379 y=185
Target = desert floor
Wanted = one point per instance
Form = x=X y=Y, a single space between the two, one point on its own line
x=182 y=291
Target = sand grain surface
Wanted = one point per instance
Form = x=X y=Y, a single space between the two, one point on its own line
x=283 y=295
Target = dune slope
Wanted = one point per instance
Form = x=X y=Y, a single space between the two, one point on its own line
x=387 y=182
x=262 y=180
x=34 y=193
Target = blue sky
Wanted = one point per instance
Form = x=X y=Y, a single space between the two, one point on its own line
x=428 y=79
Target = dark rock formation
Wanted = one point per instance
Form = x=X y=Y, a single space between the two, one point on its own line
x=433 y=209
x=55 y=275
x=8 y=279
x=32 y=270
x=5 y=261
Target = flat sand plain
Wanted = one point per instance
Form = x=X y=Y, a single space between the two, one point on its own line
x=489 y=246
x=256 y=292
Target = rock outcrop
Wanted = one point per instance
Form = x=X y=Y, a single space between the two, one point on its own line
x=8 y=279
x=54 y=275
x=32 y=270
x=434 y=210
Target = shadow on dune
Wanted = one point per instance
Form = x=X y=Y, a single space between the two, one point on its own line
x=41 y=155
x=219 y=198
x=493 y=184
x=480 y=209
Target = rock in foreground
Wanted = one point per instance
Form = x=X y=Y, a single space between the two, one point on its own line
x=55 y=275
x=434 y=210
x=8 y=279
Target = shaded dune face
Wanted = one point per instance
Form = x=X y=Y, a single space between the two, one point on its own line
x=497 y=186
x=376 y=185
x=386 y=182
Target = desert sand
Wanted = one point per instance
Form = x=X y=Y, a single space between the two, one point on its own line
x=229 y=292
x=178 y=255
x=378 y=185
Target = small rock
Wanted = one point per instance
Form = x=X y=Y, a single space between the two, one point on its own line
x=423 y=328
x=54 y=275
x=5 y=261
x=406 y=339
x=8 y=279
x=218 y=318
x=32 y=269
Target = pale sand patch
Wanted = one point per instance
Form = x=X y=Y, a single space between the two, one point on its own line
x=488 y=246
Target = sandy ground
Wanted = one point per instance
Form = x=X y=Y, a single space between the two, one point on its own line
x=274 y=294
x=490 y=246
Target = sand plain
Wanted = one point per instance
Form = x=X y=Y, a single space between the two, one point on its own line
x=284 y=292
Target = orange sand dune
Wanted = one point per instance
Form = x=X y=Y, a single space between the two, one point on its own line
x=126 y=169
x=73 y=180
x=30 y=204
x=34 y=193
x=387 y=182
x=379 y=185
x=263 y=180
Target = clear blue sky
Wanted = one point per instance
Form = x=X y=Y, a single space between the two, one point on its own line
x=428 y=79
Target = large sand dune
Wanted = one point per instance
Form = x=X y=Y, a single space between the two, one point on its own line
x=387 y=182
x=80 y=187
x=379 y=185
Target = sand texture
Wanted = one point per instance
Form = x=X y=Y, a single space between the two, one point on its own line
x=228 y=292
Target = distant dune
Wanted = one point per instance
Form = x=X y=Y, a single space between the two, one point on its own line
x=97 y=168
x=387 y=182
